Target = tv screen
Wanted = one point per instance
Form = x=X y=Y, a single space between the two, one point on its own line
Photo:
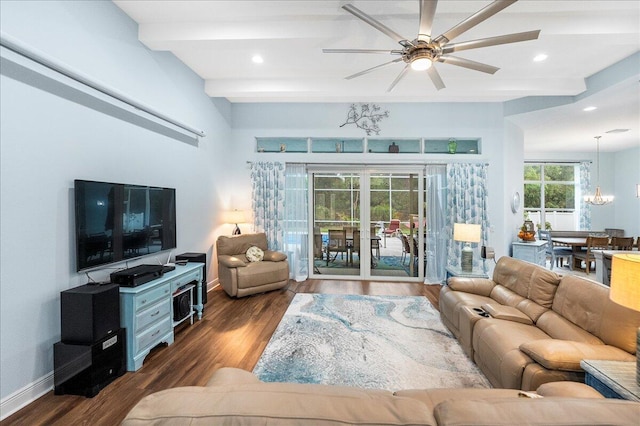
x=116 y=222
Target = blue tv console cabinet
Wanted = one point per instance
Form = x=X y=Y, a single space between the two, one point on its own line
x=146 y=311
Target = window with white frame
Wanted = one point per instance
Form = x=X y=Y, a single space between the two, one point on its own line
x=550 y=195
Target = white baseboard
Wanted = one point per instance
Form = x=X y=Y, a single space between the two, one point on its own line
x=25 y=396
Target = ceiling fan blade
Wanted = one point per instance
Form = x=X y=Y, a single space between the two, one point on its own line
x=427 y=12
x=435 y=78
x=491 y=41
x=467 y=63
x=391 y=52
x=374 y=23
x=474 y=20
x=372 y=69
x=398 y=78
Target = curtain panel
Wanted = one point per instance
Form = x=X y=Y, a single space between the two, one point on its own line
x=268 y=195
x=436 y=239
x=585 y=184
x=296 y=225
x=466 y=203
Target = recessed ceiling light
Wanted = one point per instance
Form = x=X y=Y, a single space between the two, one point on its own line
x=257 y=59
x=539 y=58
x=617 y=131
x=590 y=108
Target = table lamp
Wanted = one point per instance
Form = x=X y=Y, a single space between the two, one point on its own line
x=467 y=233
x=625 y=290
x=235 y=217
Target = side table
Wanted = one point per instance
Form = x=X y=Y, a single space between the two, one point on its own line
x=456 y=271
x=613 y=379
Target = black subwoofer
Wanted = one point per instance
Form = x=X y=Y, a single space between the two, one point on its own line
x=182 y=305
x=89 y=313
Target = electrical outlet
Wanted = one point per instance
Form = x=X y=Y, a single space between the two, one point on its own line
x=487 y=253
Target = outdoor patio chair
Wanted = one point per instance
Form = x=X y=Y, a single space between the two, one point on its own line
x=337 y=243
x=392 y=230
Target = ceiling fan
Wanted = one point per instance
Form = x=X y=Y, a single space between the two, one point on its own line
x=422 y=52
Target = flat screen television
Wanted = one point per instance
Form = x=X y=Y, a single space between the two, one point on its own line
x=116 y=222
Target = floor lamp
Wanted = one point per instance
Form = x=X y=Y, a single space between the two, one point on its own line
x=625 y=290
x=467 y=233
x=234 y=217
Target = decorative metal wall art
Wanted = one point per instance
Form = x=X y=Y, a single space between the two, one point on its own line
x=366 y=117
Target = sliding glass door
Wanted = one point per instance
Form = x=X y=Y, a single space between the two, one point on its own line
x=367 y=223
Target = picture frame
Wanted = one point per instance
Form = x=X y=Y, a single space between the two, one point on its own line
x=529 y=226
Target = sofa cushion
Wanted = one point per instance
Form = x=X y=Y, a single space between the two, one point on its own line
x=277 y=404
x=555 y=354
x=237 y=244
x=539 y=411
x=259 y=273
x=586 y=303
x=561 y=328
x=527 y=280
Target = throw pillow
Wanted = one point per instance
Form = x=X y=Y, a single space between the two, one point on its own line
x=255 y=254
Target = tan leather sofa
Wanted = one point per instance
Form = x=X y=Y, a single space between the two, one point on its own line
x=237 y=397
x=540 y=325
x=238 y=276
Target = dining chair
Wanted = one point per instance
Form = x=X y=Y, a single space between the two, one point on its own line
x=593 y=243
x=337 y=243
x=375 y=243
x=406 y=249
x=622 y=243
x=555 y=253
x=355 y=245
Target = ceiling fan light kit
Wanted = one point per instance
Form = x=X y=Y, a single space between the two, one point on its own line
x=421 y=53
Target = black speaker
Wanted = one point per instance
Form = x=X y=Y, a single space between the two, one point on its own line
x=87 y=369
x=89 y=313
x=202 y=258
x=182 y=306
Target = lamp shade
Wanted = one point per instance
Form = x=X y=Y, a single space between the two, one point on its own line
x=233 y=216
x=625 y=280
x=467 y=232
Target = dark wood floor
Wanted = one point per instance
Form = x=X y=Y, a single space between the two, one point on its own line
x=232 y=333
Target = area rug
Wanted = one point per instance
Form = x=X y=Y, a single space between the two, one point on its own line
x=382 y=342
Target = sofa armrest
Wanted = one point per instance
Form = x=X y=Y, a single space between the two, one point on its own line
x=508 y=313
x=230 y=261
x=565 y=355
x=568 y=390
x=480 y=286
x=274 y=256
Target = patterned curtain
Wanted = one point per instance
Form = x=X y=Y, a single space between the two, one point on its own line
x=268 y=193
x=296 y=225
x=436 y=241
x=585 y=184
x=466 y=203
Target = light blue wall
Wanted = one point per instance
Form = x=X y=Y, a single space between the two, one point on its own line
x=430 y=120
x=619 y=173
x=53 y=132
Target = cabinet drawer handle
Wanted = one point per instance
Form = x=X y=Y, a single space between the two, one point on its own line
x=143 y=301
x=155 y=313
x=156 y=333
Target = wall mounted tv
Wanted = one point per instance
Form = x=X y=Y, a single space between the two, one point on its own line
x=116 y=222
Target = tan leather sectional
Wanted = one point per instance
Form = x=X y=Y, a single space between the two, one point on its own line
x=529 y=326
x=237 y=397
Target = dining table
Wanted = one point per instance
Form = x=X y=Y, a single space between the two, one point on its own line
x=576 y=244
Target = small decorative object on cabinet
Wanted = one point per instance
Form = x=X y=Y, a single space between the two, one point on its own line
x=146 y=311
x=453 y=146
x=393 y=148
x=527 y=231
x=283 y=147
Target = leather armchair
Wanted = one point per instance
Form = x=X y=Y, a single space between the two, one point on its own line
x=238 y=276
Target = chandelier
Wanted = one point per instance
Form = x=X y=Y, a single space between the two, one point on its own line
x=598 y=199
